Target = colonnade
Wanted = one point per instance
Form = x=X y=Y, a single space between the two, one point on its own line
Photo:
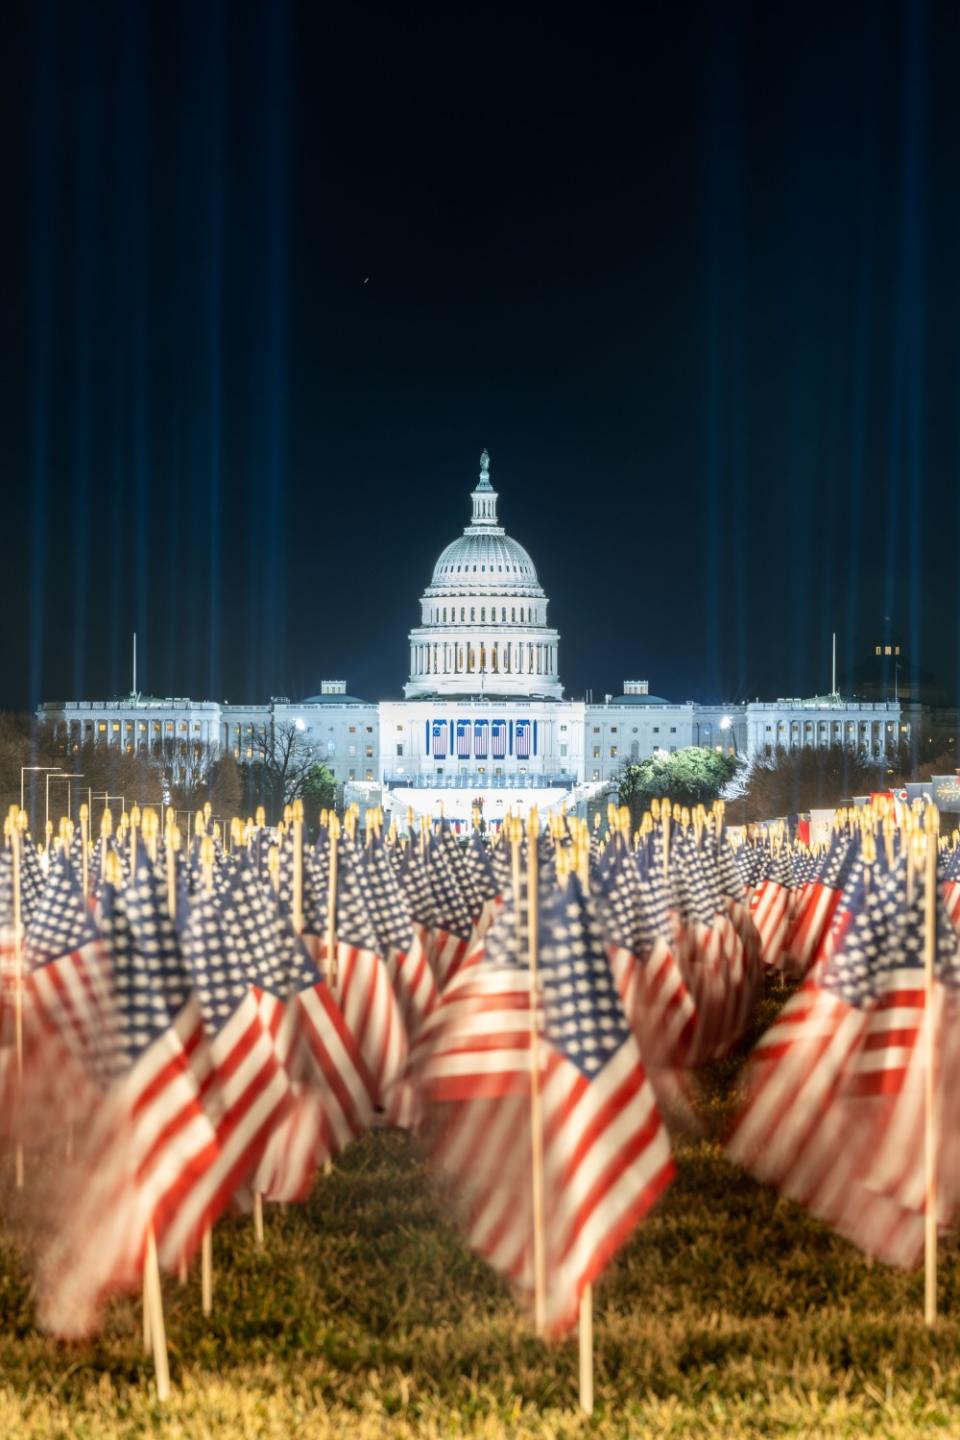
x=490 y=657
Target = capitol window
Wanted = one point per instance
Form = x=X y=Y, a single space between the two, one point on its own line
x=613 y=752
x=400 y=747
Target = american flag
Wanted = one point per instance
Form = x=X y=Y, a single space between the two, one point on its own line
x=721 y=974
x=605 y=1150
x=480 y=739
x=476 y=1043
x=362 y=984
x=950 y=878
x=453 y=922
x=463 y=739
x=152 y=1149
x=771 y=905
x=439 y=734
x=68 y=1011
x=632 y=906
x=248 y=1089
x=498 y=730
x=825 y=1118
x=333 y=1090
x=821 y=899
x=522 y=736
x=401 y=943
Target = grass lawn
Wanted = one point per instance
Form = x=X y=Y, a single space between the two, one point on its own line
x=729 y=1314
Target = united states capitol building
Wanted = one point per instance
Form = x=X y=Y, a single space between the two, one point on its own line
x=483 y=715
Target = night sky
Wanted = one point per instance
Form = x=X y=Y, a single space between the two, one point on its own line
x=273 y=275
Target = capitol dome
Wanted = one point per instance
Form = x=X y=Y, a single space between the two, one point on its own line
x=483 y=627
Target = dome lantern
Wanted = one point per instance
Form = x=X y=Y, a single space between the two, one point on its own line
x=483 y=627
x=484 y=496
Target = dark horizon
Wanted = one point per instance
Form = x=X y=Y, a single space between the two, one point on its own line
x=275 y=276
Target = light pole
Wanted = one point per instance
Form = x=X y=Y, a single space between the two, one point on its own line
x=106 y=798
x=60 y=775
x=25 y=768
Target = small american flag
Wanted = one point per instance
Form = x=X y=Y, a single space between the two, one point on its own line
x=480 y=729
x=522 y=735
x=152 y=1145
x=606 y=1152
x=438 y=732
x=498 y=729
x=333 y=1090
x=248 y=1089
x=463 y=739
x=833 y=1115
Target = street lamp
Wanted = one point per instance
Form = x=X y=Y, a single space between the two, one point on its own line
x=106 y=798
x=60 y=775
x=25 y=768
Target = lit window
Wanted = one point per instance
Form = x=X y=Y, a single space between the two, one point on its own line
x=369 y=752
x=888 y=649
x=102 y=728
x=878 y=650
x=596 y=752
x=116 y=727
x=596 y=774
x=369 y=774
x=352 y=775
x=613 y=752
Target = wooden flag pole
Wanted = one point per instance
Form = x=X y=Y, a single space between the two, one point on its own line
x=330 y=957
x=153 y=1308
x=536 y=1109
x=586 y=1349
x=585 y=1317
x=85 y=850
x=171 y=844
x=931 y=826
x=297 y=839
x=17 y=972
x=206 y=1243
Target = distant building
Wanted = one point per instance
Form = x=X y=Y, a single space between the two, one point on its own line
x=483 y=716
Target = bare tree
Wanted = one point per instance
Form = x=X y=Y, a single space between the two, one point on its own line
x=277 y=773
